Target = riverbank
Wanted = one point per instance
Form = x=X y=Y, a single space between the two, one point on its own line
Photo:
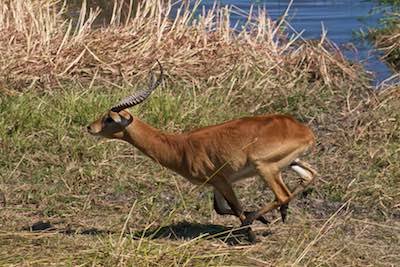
x=387 y=36
x=388 y=41
x=43 y=51
x=71 y=199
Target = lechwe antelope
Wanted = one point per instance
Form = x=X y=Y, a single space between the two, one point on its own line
x=220 y=155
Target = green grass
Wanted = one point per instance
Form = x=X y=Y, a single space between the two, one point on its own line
x=52 y=170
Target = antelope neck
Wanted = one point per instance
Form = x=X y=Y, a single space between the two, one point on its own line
x=164 y=148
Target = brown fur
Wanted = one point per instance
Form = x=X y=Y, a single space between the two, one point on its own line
x=222 y=154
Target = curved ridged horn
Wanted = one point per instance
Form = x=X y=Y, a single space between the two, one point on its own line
x=139 y=97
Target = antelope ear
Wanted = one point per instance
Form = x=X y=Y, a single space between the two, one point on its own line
x=125 y=115
x=115 y=116
x=122 y=118
x=126 y=119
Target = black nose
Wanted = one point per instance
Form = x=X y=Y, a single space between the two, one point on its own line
x=88 y=128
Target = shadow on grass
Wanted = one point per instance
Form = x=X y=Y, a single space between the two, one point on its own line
x=43 y=226
x=179 y=231
x=191 y=231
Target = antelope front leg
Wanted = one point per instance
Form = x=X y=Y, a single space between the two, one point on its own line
x=225 y=189
x=222 y=208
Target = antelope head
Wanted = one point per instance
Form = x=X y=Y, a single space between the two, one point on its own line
x=113 y=123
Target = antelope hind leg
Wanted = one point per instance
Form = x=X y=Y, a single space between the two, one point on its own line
x=283 y=211
x=283 y=196
x=307 y=174
x=303 y=169
x=271 y=176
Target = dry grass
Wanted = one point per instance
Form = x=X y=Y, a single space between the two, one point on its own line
x=41 y=48
x=104 y=201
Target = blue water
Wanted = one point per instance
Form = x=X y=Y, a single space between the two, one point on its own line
x=341 y=18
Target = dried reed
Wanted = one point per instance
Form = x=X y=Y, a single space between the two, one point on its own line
x=40 y=47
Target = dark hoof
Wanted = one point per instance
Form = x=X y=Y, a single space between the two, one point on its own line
x=249 y=220
x=251 y=236
x=283 y=210
x=251 y=216
x=263 y=219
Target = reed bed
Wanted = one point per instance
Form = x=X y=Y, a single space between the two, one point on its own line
x=40 y=48
x=388 y=41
